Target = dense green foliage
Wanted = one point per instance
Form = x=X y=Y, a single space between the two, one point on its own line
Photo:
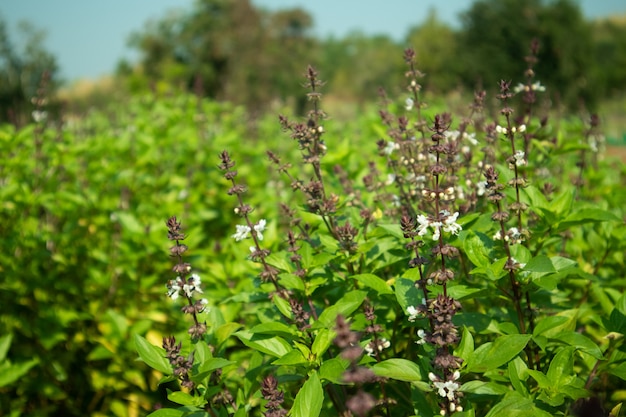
x=85 y=261
x=231 y=50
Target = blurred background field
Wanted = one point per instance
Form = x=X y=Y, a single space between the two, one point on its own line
x=90 y=169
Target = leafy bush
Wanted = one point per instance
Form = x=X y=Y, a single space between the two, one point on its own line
x=468 y=263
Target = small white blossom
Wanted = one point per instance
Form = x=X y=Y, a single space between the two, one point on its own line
x=408 y=104
x=501 y=129
x=519 y=158
x=259 y=228
x=537 y=87
x=471 y=138
x=481 y=188
x=391 y=146
x=519 y=88
x=380 y=345
x=396 y=201
x=391 y=178
x=450 y=224
x=451 y=134
x=421 y=333
x=423 y=224
x=173 y=288
x=242 y=232
x=413 y=313
x=39 y=116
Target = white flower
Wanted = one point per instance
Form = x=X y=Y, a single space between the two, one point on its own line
x=242 y=232
x=408 y=104
x=450 y=224
x=519 y=158
x=380 y=345
x=39 y=116
x=421 y=333
x=451 y=135
x=448 y=388
x=537 y=87
x=413 y=313
x=481 y=188
x=259 y=228
x=471 y=138
x=173 y=288
x=396 y=201
x=423 y=222
x=391 y=178
x=204 y=303
x=519 y=88
x=192 y=285
x=391 y=146
x=501 y=129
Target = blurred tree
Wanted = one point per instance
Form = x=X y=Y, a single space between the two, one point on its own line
x=22 y=70
x=229 y=50
x=609 y=37
x=435 y=46
x=496 y=35
x=358 y=65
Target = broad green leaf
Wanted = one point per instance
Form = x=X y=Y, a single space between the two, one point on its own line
x=291 y=281
x=400 y=369
x=283 y=306
x=9 y=373
x=561 y=367
x=492 y=355
x=295 y=357
x=333 y=369
x=517 y=375
x=271 y=345
x=587 y=215
x=484 y=388
x=274 y=328
x=407 y=294
x=225 y=331
x=580 y=341
x=373 y=282
x=345 y=306
x=466 y=347
x=541 y=264
x=477 y=248
x=309 y=400
x=152 y=355
x=550 y=325
x=5 y=343
x=183 y=398
x=167 y=412
x=212 y=364
x=322 y=341
x=619 y=371
x=515 y=405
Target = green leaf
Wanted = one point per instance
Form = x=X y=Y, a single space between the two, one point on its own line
x=477 y=248
x=517 y=374
x=183 y=398
x=400 y=369
x=309 y=400
x=152 y=355
x=322 y=341
x=484 y=388
x=619 y=371
x=550 y=325
x=374 y=282
x=580 y=341
x=271 y=345
x=295 y=357
x=407 y=294
x=212 y=364
x=587 y=215
x=5 y=343
x=167 y=412
x=561 y=367
x=492 y=355
x=345 y=306
x=274 y=328
x=225 y=331
x=466 y=347
x=332 y=370
x=515 y=405
x=283 y=306
x=10 y=373
x=541 y=264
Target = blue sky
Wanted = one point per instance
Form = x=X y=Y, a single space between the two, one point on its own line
x=89 y=37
